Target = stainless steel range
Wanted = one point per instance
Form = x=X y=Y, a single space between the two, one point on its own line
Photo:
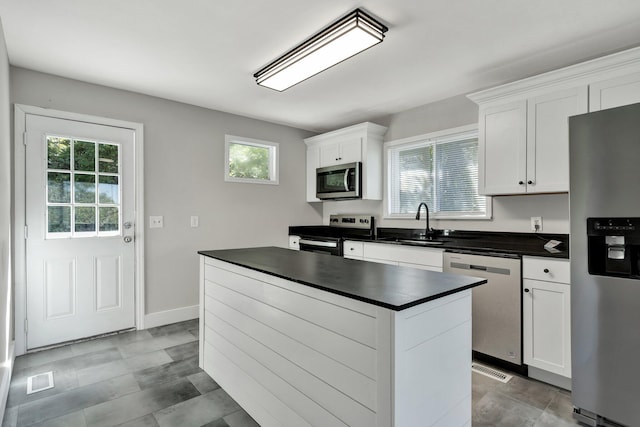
x=328 y=239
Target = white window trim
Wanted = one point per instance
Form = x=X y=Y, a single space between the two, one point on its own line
x=274 y=159
x=442 y=135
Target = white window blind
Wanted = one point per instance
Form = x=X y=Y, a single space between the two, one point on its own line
x=442 y=171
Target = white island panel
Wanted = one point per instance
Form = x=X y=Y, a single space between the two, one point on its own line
x=266 y=342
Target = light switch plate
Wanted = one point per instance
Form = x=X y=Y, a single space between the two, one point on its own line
x=156 y=221
x=195 y=221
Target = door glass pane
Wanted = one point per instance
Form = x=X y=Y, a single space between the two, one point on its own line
x=85 y=188
x=85 y=218
x=58 y=153
x=109 y=220
x=109 y=189
x=58 y=187
x=84 y=156
x=59 y=219
x=108 y=158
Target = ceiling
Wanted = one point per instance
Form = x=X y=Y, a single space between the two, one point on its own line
x=204 y=52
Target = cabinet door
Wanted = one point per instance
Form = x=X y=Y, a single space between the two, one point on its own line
x=546 y=326
x=329 y=154
x=548 y=138
x=502 y=149
x=341 y=152
x=614 y=92
x=294 y=243
x=313 y=162
x=351 y=150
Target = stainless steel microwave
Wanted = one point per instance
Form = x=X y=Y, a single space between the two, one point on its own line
x=339 y=182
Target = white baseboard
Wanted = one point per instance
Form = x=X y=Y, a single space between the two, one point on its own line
x=181 y=314
x=5 y=371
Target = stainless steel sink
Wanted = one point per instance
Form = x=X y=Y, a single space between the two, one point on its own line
x=422 y=242
x=416 y=241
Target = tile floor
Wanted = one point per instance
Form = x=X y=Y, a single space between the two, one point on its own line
x=151 y=378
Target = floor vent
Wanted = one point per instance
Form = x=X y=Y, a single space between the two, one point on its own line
x=40 y=382
x=491 y=373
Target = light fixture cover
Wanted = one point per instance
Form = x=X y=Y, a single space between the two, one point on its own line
x=343 y=39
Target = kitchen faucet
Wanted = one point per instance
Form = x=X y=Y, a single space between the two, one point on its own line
x=428 y=231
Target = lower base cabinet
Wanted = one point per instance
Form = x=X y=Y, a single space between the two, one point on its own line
x=404 y=256
x=546 y=312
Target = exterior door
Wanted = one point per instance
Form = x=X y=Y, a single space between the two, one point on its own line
x=80 y=254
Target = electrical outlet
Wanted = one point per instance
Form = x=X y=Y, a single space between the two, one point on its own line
x=194 y=221
x=156 y=221
x=536 y=223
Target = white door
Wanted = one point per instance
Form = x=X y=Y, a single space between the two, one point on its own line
x=79 y=215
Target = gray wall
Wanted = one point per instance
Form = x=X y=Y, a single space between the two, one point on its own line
x=6 y=279
x=184 y=176
x=510 y=213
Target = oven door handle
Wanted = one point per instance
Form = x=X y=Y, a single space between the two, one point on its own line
x=318 y=243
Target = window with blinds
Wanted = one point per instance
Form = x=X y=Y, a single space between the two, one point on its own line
x=441 y=171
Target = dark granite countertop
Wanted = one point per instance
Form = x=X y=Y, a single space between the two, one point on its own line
x=389 y=286
x=489 y=243
x=486 y=242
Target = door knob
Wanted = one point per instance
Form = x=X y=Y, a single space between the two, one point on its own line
x=526 y=290
x=520 y=182
x=128 y=239
x=529 y=182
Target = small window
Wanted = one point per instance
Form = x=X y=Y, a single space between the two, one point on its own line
x=250 y=160
x=440 y=169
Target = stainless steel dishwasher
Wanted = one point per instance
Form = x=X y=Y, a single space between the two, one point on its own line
x=497 y=305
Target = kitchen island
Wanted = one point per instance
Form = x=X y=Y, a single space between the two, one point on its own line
x=305 y=339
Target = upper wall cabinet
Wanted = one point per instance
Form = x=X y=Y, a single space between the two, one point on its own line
x=615 y=92
x=524 y=144
x=523 y=126
x=358 y=143
x=341 y=152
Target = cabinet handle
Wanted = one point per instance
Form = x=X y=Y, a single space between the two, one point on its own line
x=546 y=270
x=526 y=290
x=529 y=182
x=351 y=249
x=521 y=182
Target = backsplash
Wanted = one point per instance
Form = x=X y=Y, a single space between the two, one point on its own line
x=510 y=214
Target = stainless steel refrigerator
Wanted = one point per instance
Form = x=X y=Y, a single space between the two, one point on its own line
x=605 y=265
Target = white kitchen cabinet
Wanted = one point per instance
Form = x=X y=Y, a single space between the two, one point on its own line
x=523 y=136
x=358 y=143
x=524 y=144
x=614 y=92
x=407 y=256
x=546 y=313
x=352 y=249
x=343 y=151
x=502 y=148
x=548 y=138
x=294 y=243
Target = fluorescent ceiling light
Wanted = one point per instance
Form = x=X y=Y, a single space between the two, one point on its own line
x=341 y=40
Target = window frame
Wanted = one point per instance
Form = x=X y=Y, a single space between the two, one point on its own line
x=274 y=159
x=452 y=134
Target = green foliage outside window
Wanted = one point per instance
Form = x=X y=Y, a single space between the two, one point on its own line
x=249 y=161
